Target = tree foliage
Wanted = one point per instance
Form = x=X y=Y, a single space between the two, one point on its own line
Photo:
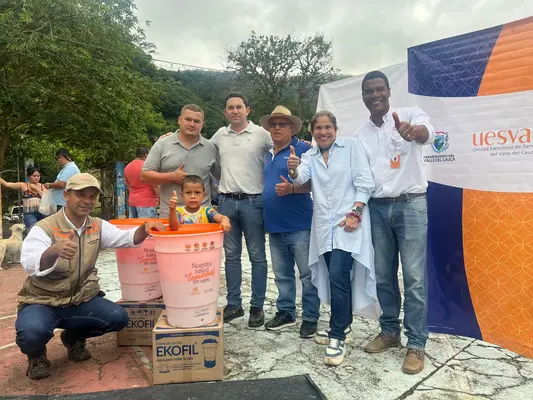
x=283 y=70
x=67 y=75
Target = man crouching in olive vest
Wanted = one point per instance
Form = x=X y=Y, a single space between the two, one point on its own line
x=62 y=289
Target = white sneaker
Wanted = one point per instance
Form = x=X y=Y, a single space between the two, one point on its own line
x=335 y=352
x=322 y=337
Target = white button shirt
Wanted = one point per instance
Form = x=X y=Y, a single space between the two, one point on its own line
x=37 y=242
x=336 y=187
x=383 y=143
x=242 y=158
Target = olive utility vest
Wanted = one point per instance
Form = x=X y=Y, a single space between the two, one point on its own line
x=72 y=282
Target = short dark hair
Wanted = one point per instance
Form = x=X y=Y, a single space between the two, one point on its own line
x=63 y=152
x=192 y=179
x=31 y=170
x=239 y=95
x=141 y=151
x=375 y=75
x=192 y=107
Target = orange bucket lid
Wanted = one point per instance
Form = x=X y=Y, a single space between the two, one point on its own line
x=190 y=229
x=136 y=221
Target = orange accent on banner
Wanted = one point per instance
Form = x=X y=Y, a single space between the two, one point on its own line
x=510 y=67
x=498 y=253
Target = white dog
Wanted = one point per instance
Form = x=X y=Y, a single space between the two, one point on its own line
x=10 y=248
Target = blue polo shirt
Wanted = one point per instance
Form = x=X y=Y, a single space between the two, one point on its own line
x=64 y=175
x=290 y=213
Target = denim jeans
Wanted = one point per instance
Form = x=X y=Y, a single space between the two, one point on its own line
x=339 y=265
x=143 y=212
x=285 y=249
x=246 y=216
x=402 y=227
x=31 y=219
x=36 y=323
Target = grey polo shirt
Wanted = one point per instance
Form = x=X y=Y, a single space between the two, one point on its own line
x=242 y=157
x=167 y=154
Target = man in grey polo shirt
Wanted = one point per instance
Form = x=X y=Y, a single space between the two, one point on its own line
x=242 y=146
x=181 y=153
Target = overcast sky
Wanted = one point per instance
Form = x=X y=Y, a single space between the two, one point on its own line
x=366 y=34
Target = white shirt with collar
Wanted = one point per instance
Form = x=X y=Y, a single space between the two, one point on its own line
x=37 y=242
x=381 y=144
x=242 y=158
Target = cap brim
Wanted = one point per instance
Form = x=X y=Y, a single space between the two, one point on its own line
x=85 y=187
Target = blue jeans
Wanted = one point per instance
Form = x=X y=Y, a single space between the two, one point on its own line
x=285 y=249
x=402 y=227
x=143 y=212
x=246 y=216
x=31 y=219
x=339 y=265
x=36 y=323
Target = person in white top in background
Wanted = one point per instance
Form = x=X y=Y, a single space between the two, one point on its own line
x=393 y=140
x=243 y=146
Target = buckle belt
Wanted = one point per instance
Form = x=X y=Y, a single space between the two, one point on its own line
x=239 y=196
x=403 y=198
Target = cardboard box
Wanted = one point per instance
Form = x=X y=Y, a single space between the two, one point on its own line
x=142 y=318
x=190 y=354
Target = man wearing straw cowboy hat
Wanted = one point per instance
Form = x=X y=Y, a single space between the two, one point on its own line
x=62 y=289
x=288 y=210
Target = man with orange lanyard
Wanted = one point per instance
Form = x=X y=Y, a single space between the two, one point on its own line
x=393 y=140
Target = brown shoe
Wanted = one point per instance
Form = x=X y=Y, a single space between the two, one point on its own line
x=413 y=362
x=76 y=349
x=382 y=342
x=38 y=368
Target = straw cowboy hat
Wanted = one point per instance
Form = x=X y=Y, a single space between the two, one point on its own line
x=282 y=112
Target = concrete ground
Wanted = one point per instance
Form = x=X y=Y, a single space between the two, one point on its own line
x=456 y=367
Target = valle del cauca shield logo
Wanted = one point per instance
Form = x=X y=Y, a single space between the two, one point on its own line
x=441 y=142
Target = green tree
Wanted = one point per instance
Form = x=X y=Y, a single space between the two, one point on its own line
x=67 y=75
x=283 y=70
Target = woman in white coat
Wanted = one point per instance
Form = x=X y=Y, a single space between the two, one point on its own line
x=341 y=257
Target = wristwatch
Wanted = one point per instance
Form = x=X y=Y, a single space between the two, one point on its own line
x=358 y=210
x=356 y=213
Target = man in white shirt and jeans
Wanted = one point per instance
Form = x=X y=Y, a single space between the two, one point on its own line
x=62 y=288
x=242 y=146
x=393 y=140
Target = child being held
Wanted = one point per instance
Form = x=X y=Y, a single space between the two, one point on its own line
x=193 y=194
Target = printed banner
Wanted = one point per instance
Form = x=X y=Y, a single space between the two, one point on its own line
x=478 y=90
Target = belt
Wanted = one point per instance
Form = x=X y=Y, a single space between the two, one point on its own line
x=239 y=196
x=403 y=198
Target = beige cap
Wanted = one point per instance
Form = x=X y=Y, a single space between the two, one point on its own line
x=82 y=181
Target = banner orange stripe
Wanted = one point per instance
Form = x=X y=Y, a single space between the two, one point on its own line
x=498 y=253
x=510 y=67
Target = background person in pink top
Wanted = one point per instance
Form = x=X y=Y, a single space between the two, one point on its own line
x=143 y=198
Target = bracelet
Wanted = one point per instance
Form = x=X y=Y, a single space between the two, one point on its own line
x=355 y=215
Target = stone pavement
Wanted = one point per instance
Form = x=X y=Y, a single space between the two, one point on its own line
x=456 y=367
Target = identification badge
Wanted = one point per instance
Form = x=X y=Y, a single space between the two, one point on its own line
x=395 y=162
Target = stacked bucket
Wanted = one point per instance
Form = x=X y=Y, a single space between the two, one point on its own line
x=184 y=268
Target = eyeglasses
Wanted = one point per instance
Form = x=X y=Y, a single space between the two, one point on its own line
x=280 y=124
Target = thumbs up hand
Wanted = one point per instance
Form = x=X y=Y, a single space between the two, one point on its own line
x=292 y=162
x=180 y=174
x=173 y=202
x=66 y=248
x=406 y=130
x=285 y=187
